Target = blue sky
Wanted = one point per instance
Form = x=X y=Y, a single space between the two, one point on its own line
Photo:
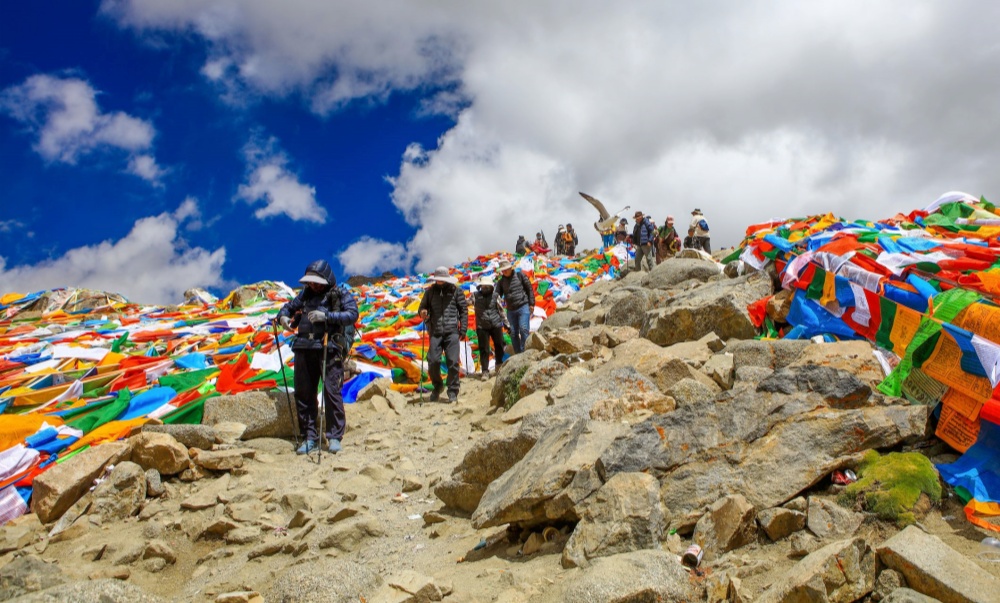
x=147 y=147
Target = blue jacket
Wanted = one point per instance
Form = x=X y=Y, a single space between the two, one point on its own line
x=646 y=232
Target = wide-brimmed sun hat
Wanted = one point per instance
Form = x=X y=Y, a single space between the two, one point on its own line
x=485 y=281
x=312 y=277
x=505 y=265
x=441 y=275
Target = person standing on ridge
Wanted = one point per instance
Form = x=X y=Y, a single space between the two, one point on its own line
x=443 y=305
x=519 y=297
x=489 y=325
x=621 y=233
x=667 y=242
x=560 y=240
x=643 y=240
x=521 y=247
x=570 y=241
x=699 y=226
x=540 y=246
x=321 y=312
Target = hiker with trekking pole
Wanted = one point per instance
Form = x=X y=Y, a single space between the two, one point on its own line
x=323 y=316
x=445 y=313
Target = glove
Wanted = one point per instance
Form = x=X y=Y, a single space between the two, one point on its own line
x=285 y=322
x=317 y=316
x=424 y=314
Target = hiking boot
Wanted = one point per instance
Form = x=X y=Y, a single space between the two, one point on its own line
x=307 y=447
x=436 y=394
x=485 y=375
x=452 y=397
x=333 y=446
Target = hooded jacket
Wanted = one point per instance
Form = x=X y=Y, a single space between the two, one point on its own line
x=448 y=309
x=516 y=290
x=487 y=311
x=337 y=302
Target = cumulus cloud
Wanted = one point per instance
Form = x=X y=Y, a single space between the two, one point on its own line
x=747 y=110
x=269 y=180
x=369 y=255
x=151 y=264
x=62 y=112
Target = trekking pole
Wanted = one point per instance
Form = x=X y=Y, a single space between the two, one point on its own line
x=284 y=379
x=321 y=419
x=420 y=367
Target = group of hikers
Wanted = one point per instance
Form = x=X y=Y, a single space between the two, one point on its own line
x=651 y=243
x=323 y=315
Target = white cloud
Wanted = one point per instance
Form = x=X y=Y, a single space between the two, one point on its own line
x=151 y=264
x=64 y=115
x=270 y=181
x=747 y=110
x=10 y=225
x=368 y=256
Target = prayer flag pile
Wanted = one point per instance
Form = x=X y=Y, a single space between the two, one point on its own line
x=924 y=288
x=79 y=367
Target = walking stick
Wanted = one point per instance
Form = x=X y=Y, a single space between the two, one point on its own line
x=291 y=409
x=321 y=419
x=420 y=369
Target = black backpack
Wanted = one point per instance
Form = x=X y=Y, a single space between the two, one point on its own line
x=343 y=335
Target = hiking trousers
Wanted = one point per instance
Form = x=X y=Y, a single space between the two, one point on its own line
x=452 y=351
x=308 y=371
x=485 y=335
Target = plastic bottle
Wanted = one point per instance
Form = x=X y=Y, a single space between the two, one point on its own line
x=989 y=549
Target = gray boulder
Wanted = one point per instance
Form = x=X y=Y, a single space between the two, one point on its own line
x=28 y=574
x=541 y=376
x=311 y=582
x=689 y=391
x=507 y=380
x=651 y=360
x=636 y=577
x=720 y=368
x=627 y=307
x=675 y=270
x=487 y=459
x=552 y=479
x=92 y=591
x=122 y=494
x=935 y=569
x=771 y=354
x=624 y=515
x=597 y=288
x=841 y=572
x=265 y=414
x=827 y=519
x=778 y=522
x=562 y=319
x=839 y=389
x=696 y=353
x=719 y=306
x=57 y=488
x=906 y=595
x=756 y=440
x=191 y=436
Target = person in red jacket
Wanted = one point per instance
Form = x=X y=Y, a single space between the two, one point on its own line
x=540 y=247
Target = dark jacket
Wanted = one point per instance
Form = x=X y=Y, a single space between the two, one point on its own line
x=644 y=232
x=516 y=290
x=449 y=311
x=339 y=305
x=522 y=246
x=487 y=311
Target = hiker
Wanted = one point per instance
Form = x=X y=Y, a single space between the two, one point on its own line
x=667 y=241
x=700 y=228
x=621 y=233
x=690 y=242
x=519 y=297
x=321 y=311
x=443 y=305
x=560 y=241
x=490 y=323
x=570 y=241
x=643 y=240
x=521 y=247
x=540 y=246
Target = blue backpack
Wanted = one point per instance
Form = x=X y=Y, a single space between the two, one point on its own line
x=702 y=224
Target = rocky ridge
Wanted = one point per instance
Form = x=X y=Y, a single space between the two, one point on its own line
x=643 y=420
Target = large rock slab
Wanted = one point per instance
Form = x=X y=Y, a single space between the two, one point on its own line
x=191 y=436
x=935 y=569
x=552 y=479
x=324 y=580
x=770 y=354
x=92 y=591
x=541 y=377
x=697 y=353
x=838 y=388
x=840 y=572
x=56 y=489
x=727 y=525
x=266 y=414
x=597 y=288
x=487 y=459
x=636 y=577
x=122 y=494
x=624 y=515
x=779 y=522
x=755 y=440
x=663 y=368
x=675 y=271
x=627 y=307
x=562 y=319
x=717 y=306
x=908 y=595
x=28 y=574
x=160 y=451
x=827 y=519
